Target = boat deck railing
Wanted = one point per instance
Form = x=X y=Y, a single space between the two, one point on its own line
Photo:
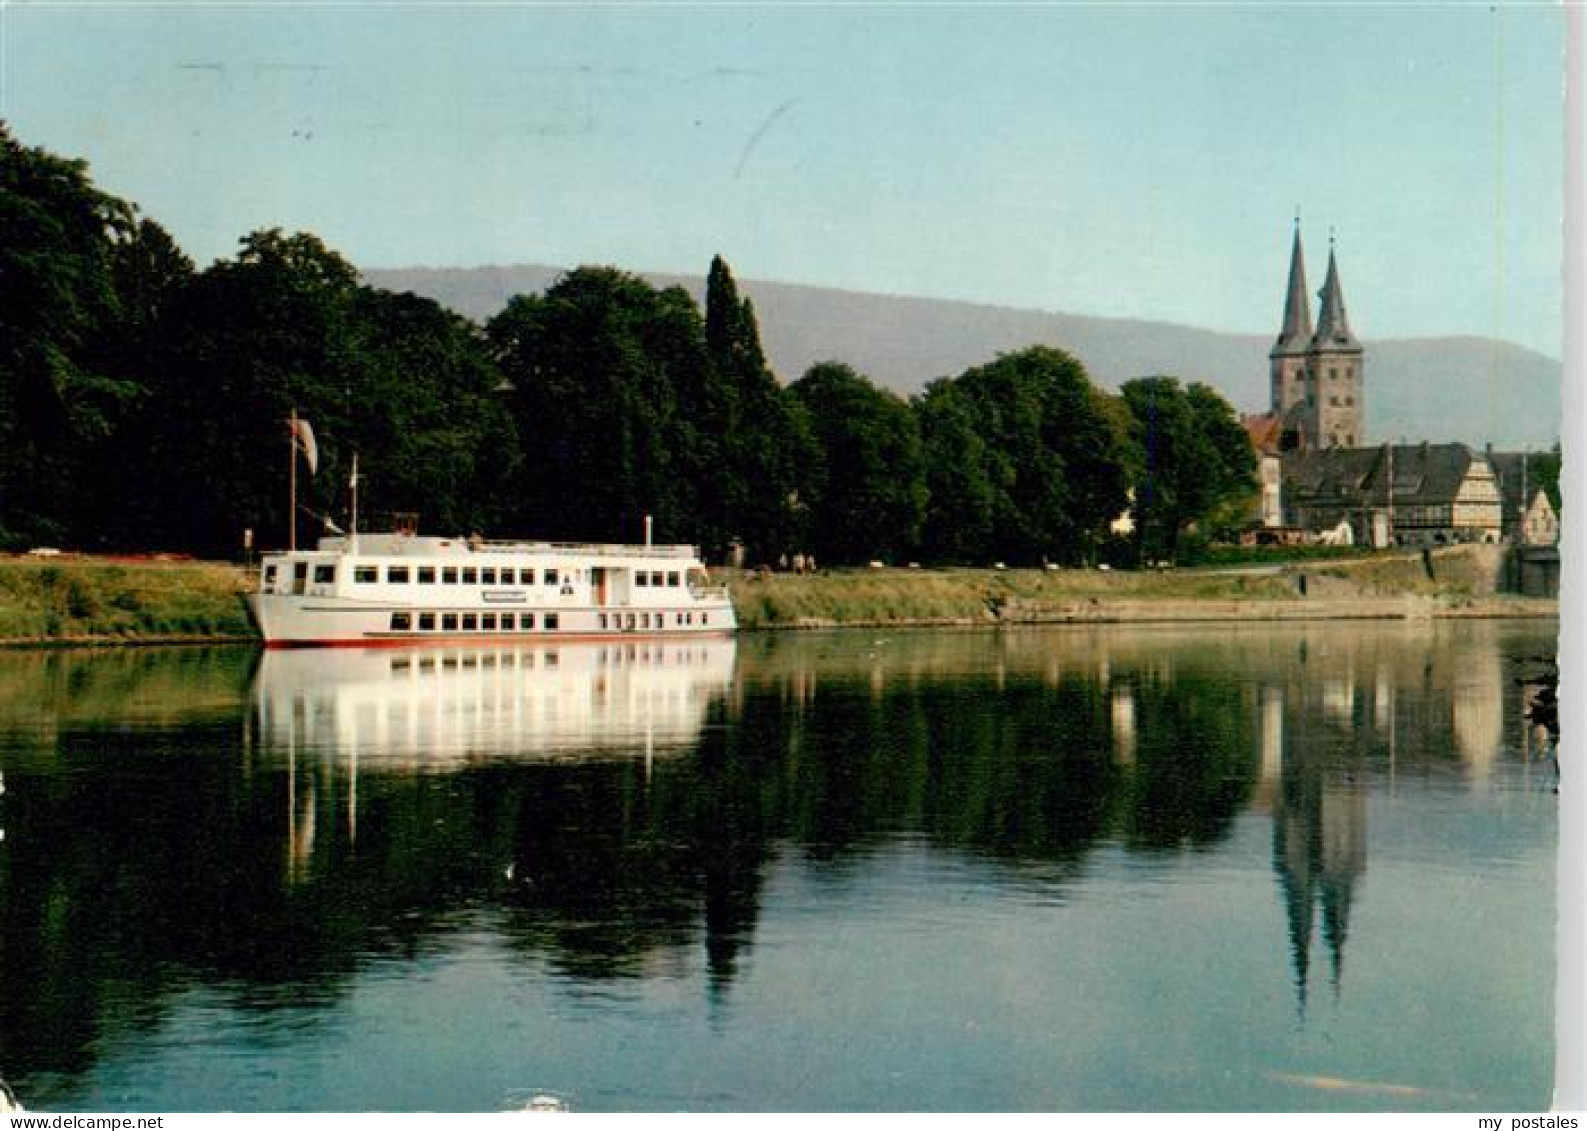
x=594 y=549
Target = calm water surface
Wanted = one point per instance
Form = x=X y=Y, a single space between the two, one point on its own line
x=1241 y=868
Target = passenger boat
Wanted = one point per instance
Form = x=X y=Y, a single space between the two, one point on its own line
x=404 y=588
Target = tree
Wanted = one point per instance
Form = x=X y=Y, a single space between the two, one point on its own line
x=59 y=310
x=249 y=341
x=768 y=452
x=1024 y=460
x=1194 y=463
x=960 y=475
x=596 y=365
x=870 y=497
x=432 y=427
x=286 y=326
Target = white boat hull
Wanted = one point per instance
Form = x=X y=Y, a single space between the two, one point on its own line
x=292 y=621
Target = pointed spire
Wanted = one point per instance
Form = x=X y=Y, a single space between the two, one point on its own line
x=1333 y=327
x=1296 y=332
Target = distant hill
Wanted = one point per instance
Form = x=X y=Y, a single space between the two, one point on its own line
x=1453 y=388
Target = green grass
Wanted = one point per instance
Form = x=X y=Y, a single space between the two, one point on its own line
x=982 y=596
x=867 y=596
x=77 y=599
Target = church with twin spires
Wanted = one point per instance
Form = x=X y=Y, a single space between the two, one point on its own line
x=1318 y=396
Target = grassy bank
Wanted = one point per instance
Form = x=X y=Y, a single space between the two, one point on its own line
x=94 y=600
x=1459 y=581
x=972 y=596
x=65 y=600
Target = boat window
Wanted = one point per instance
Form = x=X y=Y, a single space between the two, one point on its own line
x=673 y=579
x=552 y=622
x=471 y=576
x=705 y=618
x=401 y=622
x=487 y=621
x=426 y=575
x=426 y=622
x=603 y=620
x=365 y=575
x=507 y=622
x=449 y=575
x=641 y=579
x=550 y=577
x=324 y=574
x=526 y=621
x=655 y=578
x=270 y=574
x=487 y=577
x=448 y=622
x=397 y=575
x=470 y=622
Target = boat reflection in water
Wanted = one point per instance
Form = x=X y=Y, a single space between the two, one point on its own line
x=442 y=708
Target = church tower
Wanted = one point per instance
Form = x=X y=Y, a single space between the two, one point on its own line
x=1287 y=359
x=1334 y=372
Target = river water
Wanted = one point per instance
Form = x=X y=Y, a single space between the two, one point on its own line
x=1234 y=867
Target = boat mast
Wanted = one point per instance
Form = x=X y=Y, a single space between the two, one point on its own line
x=352 y=537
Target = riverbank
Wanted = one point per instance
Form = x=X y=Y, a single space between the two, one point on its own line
x=71 y=600
x=1454 y=582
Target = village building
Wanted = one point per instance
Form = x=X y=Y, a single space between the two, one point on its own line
x=1394 y=494
x=1529 y=515
x=1264 y=431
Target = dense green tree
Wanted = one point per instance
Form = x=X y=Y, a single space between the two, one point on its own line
x=1194 y=464
x=596 y=365
x=286 y=325
x=432 y=425
x=252 y=339
x=768 y=451
x=869 y=499
x=115 y=506
x=1024 y=460
x=959 y=473
x=62 y=389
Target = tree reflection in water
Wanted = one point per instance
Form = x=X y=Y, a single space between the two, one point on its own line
x=171 y=822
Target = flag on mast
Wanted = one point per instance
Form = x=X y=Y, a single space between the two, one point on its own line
x=303 y=438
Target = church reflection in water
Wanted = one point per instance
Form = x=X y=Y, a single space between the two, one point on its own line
x=1342 y=722
x=1021 y=749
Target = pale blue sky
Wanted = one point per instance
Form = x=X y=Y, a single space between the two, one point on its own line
x=1140 y=161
